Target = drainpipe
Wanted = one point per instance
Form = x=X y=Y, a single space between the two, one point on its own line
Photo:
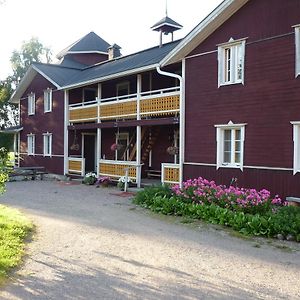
x=181 y=115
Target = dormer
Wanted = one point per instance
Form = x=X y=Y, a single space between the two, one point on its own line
x=88 y=50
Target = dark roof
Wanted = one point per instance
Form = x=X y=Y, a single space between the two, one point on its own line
x=12 y=129
x=122 y=64
x=166 y=21
x=71 y=63
x=89 y=43
x=57 y=73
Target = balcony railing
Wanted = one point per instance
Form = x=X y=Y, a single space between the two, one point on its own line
x=169 y=173
x=152 y=103
x=117 y=169
x=76 y=166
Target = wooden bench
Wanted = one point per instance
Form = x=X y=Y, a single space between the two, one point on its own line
x=153 y=173
x=33 y=172
x=293 y=201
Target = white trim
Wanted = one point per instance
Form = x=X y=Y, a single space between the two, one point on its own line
x=47 y=141
x=203 y=30
x=171 y=166
x=66 y=132
x=237 y=51
x=165 y=24
x=31 y=104
x=45 y=76
x=296 y=140
x=31 y=143
x=220 y=145
x=48 y=103
x=38 y=154
x=112 y=76
x=297 y=50
x=245 y=167
x=86 y=52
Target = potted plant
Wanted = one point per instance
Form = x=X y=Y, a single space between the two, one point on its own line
x=173 y=150
x=115 y=147
x=103 y=181
x=90 y=178
x=121 y=182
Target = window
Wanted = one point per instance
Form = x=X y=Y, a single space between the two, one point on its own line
x=297 y=42
x=48 y=100
x=30 y=144
x=47 y=144
x=89 y=94
x=122 y=140
x=296 y=138
x=230 y=145
x=123 y=88
x=31 y=104
x=231 y=57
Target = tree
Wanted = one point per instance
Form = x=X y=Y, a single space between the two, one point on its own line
x=31 y=51
x=3 y=169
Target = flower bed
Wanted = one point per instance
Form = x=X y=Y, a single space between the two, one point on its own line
x=245 y=210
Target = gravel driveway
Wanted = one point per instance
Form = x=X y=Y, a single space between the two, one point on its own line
x=93 y=244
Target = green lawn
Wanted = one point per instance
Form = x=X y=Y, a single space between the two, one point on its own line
x=14 y=228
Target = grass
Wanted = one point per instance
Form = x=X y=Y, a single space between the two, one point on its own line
x=14 y=228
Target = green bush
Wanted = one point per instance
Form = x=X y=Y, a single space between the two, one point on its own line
x=284 y=220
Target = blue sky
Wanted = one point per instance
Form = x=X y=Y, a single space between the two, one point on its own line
x=58 y=23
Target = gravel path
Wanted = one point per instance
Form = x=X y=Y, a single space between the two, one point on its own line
x=91 y=244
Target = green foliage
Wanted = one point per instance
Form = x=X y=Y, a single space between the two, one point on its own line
x=7 y=141
x=8 y=111
x=14 y=228
x=285 y=220
x=31 y=51
x=3 y=170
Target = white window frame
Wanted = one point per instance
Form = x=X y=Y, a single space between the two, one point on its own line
x=297 y=49
x=296 y=140
x=31 y=104
x=30 y=144
x=47 y=140
x=220 y=145
x=234 y=46
x=47 y=100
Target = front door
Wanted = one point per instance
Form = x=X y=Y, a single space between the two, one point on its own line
x=89 y=152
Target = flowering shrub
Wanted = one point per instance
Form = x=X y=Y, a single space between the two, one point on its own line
x=90 y=178
x=103 y=180
x=202 y=191
x=115 y=147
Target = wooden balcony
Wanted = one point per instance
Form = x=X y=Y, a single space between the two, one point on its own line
x=76 y=166
x=169 y=173
x=163 y=102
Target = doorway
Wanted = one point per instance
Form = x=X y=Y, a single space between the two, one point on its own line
x=89 y=151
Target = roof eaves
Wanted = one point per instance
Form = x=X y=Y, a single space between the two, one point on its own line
x=208 y=25
x=109 y=77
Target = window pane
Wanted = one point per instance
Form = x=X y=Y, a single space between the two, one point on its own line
x=237 y=157
x=237 y=134
x=239 y=62
x=227 y=68
x=227 y=146
x=227 y=156
x=237 y=146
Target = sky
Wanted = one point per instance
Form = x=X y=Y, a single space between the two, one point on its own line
x=59 y=23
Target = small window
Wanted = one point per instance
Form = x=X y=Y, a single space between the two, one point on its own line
x=122 y=152
x=47 y=144
x=231 y=57
x=123 y=88
x=31 y=144
x=230 y=145
x=297 y=42
x=48 y=100
x=296 y=138
x=31 y=104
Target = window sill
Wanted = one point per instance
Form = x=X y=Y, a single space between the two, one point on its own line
x=31 y=114
x=230 y=166
x=231 y=83
x=47 y=111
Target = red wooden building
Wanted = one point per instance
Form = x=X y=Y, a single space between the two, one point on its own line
x=224 y=101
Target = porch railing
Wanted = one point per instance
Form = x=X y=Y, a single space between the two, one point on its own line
x=152 y=103
x=117 y=169
x=169 y=173
x=76 y=166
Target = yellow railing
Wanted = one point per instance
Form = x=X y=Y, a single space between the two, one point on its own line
x=152 y=103
x=170 y=173
x=76 y=166
x=116 y=169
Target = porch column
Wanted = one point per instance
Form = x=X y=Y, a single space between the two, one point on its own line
x=66 y=133
x=138 y=132
x=99 y=133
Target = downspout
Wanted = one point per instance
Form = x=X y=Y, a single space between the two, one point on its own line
x=181 y=115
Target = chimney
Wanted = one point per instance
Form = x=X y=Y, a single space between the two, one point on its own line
x=114 y=51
